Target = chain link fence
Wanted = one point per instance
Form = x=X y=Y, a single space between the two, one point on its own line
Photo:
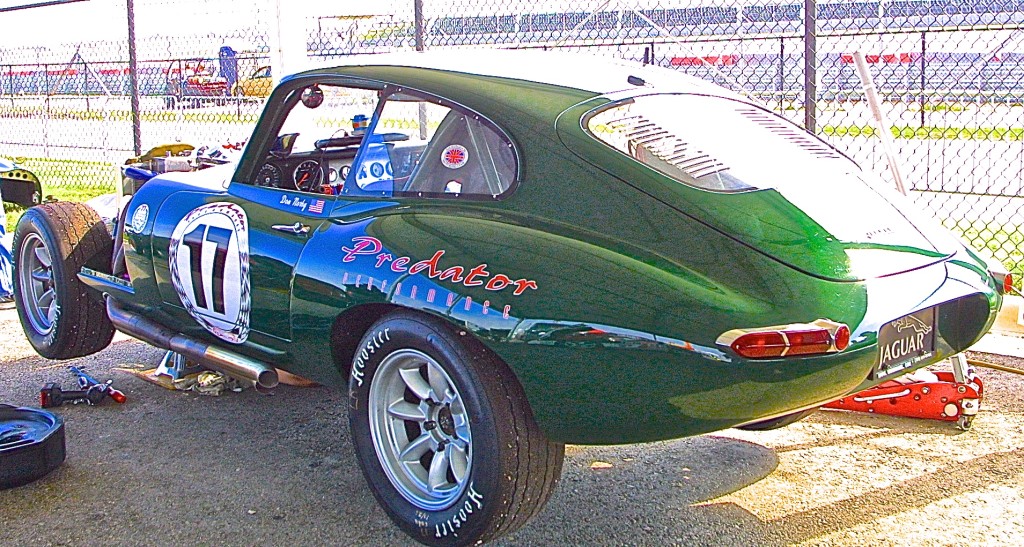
x=949 y=72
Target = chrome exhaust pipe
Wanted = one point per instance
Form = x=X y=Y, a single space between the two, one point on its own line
x=153 y=333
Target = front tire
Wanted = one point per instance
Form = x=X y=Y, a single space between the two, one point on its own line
x=62 y=318
x=444 y=434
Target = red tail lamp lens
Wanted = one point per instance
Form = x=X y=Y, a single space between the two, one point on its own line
x=760 y=345
x=842 y=338
x=1003 y=279
x=809 y=342
x=801 y=339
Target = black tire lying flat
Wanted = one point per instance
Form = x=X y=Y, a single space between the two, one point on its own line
x=62 y=318
x=776 y=423
x=444 y=434
x=31 y=444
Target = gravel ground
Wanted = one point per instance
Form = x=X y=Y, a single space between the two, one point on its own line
x=174 y=468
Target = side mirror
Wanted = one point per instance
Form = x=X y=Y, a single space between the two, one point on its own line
x=312 y=96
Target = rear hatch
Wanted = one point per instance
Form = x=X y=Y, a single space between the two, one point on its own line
x=762 y=180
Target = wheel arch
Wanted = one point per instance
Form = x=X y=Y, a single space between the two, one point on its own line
x=352 y=324
x=349 y=327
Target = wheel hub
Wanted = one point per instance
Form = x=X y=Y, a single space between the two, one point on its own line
x=36 y=285
x=445 y=420
x=420 y=429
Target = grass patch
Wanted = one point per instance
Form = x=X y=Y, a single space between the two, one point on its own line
x=940 y=107
x=65 y=180
x=126 y=115
x=1005 y=242
x=64 y=174
x=60 y=193
x=930 y=132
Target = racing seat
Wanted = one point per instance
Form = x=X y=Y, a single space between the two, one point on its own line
x=443 y=170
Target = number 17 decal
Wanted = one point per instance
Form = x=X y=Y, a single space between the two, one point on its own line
x=209 y=259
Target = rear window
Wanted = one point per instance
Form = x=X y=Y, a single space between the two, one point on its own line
x=713 y=143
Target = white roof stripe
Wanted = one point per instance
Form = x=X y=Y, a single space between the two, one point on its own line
x=600 y=75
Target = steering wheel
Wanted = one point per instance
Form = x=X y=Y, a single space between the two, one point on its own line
x=338 y=142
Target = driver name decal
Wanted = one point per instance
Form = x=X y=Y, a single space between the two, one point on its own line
x=209 y=260
x=303 y=204
x=477 y=276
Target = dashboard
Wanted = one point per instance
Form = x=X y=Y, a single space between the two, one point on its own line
x=307 y=171
x=325 y=169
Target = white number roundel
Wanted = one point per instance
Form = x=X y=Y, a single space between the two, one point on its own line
x=209 y=259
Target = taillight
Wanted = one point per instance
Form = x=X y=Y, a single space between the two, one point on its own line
x=819 y=337
x=1004 y=281
x=1003 y=278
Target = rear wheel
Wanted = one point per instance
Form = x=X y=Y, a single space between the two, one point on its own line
x=62 y=318
x=444 y=434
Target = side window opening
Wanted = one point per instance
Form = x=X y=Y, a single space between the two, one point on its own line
x=399 y=132
x=317 y=139
x=419 y=147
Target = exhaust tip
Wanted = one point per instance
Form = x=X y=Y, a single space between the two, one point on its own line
x=267 y=379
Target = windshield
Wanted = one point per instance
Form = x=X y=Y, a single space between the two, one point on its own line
x=714 y=143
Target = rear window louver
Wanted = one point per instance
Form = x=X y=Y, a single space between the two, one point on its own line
x=644 y=135
x=789 y=132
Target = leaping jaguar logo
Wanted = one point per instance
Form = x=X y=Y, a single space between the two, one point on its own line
x=910 y=322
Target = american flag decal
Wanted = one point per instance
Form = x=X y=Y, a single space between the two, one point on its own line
x=317 y=206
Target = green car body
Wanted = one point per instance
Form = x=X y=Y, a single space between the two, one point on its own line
x=509 y=252
x=617 y=280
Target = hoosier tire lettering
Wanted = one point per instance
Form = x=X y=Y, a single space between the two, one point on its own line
x=438 y=424
x=455 y=521
x=371 y=346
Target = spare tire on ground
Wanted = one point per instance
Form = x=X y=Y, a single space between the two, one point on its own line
x=31 y=444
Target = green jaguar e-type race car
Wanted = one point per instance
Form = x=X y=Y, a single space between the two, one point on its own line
x=497 y=253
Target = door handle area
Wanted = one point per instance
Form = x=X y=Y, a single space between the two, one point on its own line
x=298 y=228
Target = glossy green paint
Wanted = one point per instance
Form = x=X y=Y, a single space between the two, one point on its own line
x=635 y=276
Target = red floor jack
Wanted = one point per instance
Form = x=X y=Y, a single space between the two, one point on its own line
x=948 y=396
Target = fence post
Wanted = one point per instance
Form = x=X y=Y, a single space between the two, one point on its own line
x=133 y=81
x=923 y=51
x=782 y=74
x=417 y=8
x=46 y=102
x=85 y=86
x=810 y=65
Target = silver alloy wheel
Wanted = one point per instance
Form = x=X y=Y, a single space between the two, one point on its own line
x=420 y=429
x=37 y=290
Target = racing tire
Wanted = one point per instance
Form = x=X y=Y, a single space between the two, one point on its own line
x=779 y=422
x=61 y=317
x=455 y=468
